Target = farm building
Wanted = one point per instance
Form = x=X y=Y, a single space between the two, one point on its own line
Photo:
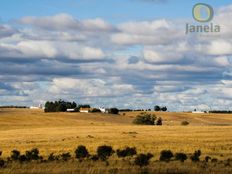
x=70 y=110
x=198 y=112
x=104 y=110
x=85 y=110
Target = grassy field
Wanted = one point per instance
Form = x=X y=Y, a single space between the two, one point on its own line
x=24 y=129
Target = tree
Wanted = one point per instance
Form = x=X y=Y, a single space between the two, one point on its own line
x=164 y=109
x=113 y=111
x=156 y=108
x=145 y=119
x=59 y=106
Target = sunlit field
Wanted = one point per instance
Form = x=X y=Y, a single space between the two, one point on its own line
x=24 y=129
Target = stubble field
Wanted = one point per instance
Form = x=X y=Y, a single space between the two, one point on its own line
x=23 y=129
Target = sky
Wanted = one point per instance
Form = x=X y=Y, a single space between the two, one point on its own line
x=124 y=53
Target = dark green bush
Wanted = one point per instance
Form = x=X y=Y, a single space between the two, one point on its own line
x=65 y=156
x=104 y=152
x=94 y=110
x=128 y=151
x=33 y=154
x=59 y=106
x=15 y=154
x=94 y=158
x=159 y=121
x=207 y=158
x=113 y=111
x=166 y=155
x=52 y=157
x=214 y=160
x=145 y=119
x=2 y=163
x=81 y=152
x=143 y=159
x=195 y=157
x=181 y=157
x=23 y=158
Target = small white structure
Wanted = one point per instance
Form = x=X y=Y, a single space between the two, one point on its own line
x=70 y=110
x=198 y=112
x=34 y=107
x=104 y=110
x=37 y=107
x=85 y=110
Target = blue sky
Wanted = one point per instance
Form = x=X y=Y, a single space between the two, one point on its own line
x=124 y=53
x=110 y=10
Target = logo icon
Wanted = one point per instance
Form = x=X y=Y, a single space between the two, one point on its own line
x=203 y=12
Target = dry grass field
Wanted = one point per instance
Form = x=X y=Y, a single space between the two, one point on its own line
x=24 y=129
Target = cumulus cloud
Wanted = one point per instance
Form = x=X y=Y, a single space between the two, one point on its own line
x=51 y=49
x=66 y=22
x=131 y=64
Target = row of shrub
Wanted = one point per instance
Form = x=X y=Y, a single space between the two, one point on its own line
x=103 y=153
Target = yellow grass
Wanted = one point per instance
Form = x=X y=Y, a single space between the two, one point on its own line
x=24 y=129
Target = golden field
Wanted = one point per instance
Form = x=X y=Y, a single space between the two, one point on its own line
x=23 y=129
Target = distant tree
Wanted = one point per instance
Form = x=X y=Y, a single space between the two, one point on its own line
x=157 y=108
x=95 y=110
x=59 y=106
x=84 y=106
x=145 y=119
x=164 y=109
x=113 y=111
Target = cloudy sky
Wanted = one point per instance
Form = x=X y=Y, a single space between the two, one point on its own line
x=124 y=53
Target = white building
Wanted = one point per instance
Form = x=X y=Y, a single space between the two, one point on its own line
x=85 y=110
x=104 y=110
x=70 y=110
x=198 y=112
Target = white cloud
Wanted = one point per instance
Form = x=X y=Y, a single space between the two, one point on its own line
x=65 y=21
x=89 y=87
